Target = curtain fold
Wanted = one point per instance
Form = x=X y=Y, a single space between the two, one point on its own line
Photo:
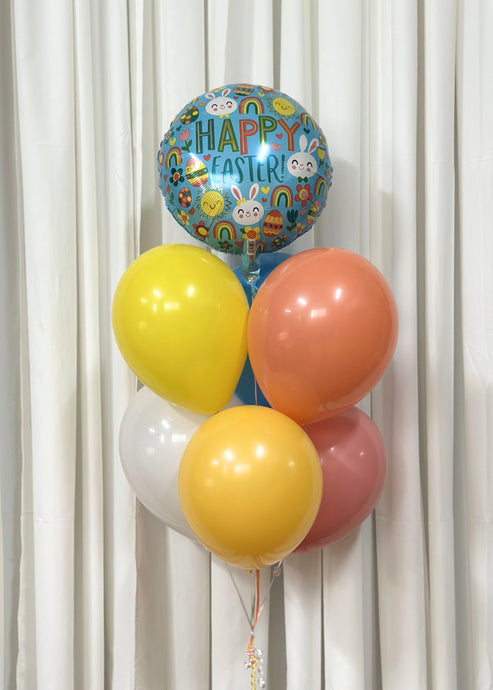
x=117 y=245
x=394 y=92
x=437 y=247
x=474 y=553
x=10 y=370
x=44 y=90
x=95 y=592
x=89 y=667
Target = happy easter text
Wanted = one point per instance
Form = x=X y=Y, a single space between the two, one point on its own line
x=258 y=168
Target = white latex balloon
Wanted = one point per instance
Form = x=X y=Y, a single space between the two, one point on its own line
x=153 y=436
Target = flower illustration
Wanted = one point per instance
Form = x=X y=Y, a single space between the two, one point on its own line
x=183 y=217
x=224 y=245
x=201 y=230
x=292 y=215
x=300 y=228
x=177 y=177
x=251 y=233
x=183 y=136
x=304 y=194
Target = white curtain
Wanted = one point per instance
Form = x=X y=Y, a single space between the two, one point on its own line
x=95 y=592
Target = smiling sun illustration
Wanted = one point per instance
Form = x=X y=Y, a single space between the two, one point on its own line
x=212 y=203
x=283 y=106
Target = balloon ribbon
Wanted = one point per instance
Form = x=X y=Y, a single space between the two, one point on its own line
x=255 y=656
x=255 y=662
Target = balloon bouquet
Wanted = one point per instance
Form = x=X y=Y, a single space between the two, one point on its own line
x=245 y=170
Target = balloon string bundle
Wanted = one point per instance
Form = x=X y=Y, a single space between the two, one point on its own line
x=255 y=656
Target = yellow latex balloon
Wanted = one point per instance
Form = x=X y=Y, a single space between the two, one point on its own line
x=250 y=485
x=179 y=319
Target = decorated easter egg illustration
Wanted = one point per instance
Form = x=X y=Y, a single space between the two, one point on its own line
x=243 y=89
x=313 y=212
x=190 y=115
x=184 y=197
x=196 y=172
x=272 y=223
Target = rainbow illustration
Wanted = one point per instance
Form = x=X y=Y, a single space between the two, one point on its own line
x=173 y=157
x=245 y=104
x=281 y=193
x=224 y=230
x=306 y=120
x=320 y=188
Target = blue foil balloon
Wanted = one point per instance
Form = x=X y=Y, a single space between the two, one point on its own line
x=247 y=390
x=244 y=169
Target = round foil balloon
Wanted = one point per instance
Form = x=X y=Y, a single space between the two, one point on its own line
x=244 y=169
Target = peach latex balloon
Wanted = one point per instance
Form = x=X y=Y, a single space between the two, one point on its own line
x=322 y=331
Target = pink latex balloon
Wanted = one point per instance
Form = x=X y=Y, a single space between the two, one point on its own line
x=354 y=467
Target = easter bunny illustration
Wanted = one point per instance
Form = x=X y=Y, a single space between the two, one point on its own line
x=220 y=105
x=303 y=165
x=247 y=212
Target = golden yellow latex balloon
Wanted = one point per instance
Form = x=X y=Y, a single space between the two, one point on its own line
x=179 y=318
x=250 y=485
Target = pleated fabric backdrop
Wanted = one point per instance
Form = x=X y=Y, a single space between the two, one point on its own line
x=95 y=592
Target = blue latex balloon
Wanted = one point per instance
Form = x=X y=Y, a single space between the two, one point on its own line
x=244 y=169
x=247 y=390
x=267 y=263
